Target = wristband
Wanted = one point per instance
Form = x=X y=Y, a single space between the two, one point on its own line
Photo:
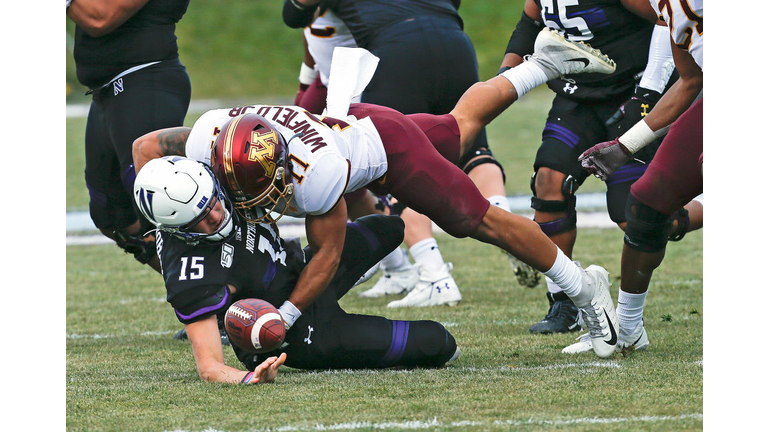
x=247 y=378
x=307 y=74
x=290 y=313
x=637 y=137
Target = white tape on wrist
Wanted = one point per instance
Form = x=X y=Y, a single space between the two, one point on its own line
x=307 y=74
x=289 y=312
x=637 y=137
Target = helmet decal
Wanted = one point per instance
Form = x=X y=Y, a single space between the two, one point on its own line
x=145 y=199
x=262 y=150
x=202 y=202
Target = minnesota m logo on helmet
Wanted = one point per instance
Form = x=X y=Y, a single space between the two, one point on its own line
x=262 y=150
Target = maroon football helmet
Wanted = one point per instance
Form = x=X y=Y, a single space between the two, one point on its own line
x=249 y=159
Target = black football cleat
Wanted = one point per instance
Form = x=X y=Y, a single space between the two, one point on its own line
x=563 y=316
x=182 y=335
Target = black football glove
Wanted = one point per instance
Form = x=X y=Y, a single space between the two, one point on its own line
x=632 y=111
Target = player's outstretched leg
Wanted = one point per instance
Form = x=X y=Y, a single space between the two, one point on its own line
x=589 y=289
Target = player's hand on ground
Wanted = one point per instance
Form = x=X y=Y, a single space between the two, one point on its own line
x=267 y=370
x=605 y=158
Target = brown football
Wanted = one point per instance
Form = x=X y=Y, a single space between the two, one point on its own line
x=254 y=325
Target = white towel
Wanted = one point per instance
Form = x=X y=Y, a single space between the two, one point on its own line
x=351 y=71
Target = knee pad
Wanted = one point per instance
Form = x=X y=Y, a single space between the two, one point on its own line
x=647 y=229
x=142 y=248
x=480 y=156
x=567 y=205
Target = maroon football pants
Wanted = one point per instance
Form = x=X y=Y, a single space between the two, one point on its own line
x=422 y=150
x=674 y=176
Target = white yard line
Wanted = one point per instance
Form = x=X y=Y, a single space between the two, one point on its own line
x=435 y=423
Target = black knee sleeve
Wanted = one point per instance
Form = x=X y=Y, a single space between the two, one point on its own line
x=478 y=157
x=647 y=230
x=683 y=223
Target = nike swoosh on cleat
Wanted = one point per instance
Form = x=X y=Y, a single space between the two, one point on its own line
x=580 y=59
x=614 y=337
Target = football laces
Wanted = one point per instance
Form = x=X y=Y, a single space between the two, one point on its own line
x=241 y=313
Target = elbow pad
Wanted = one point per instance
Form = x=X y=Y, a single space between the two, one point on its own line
x=296 y=15
x=524 y=37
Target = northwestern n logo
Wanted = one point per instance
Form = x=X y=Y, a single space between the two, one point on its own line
x=118 y=86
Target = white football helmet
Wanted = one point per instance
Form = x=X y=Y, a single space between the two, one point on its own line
x=175 y=193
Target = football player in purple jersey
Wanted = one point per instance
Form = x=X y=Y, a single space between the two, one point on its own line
x=213 y=257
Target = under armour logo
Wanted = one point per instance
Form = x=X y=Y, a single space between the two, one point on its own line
x=118 y=86
x=570 y=89
x=441 y=288
x=307 y=339
x=644 y=108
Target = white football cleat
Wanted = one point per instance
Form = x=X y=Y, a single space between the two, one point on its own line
x=367 y=275
x=635 y=341
x=583 y=345
x=597 y=310
x=393 y=282
x=434 y=288
x=553 y=51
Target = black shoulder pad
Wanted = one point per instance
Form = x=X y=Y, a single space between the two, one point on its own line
x=194 y=305
x=296 y=15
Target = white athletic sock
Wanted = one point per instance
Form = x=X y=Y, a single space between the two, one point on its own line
x=501 y=202
x=552 y=286
x=427 y=253
x=526 y=76
x=566 y=275
x=630 y=310
x=397 y=260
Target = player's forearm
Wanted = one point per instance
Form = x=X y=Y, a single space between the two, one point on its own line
x=99 y=18
x=314 y=279
x=164 y=142
x=675 y=102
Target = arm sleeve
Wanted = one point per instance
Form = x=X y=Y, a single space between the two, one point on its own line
x=660 y=63
x=524 y=37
